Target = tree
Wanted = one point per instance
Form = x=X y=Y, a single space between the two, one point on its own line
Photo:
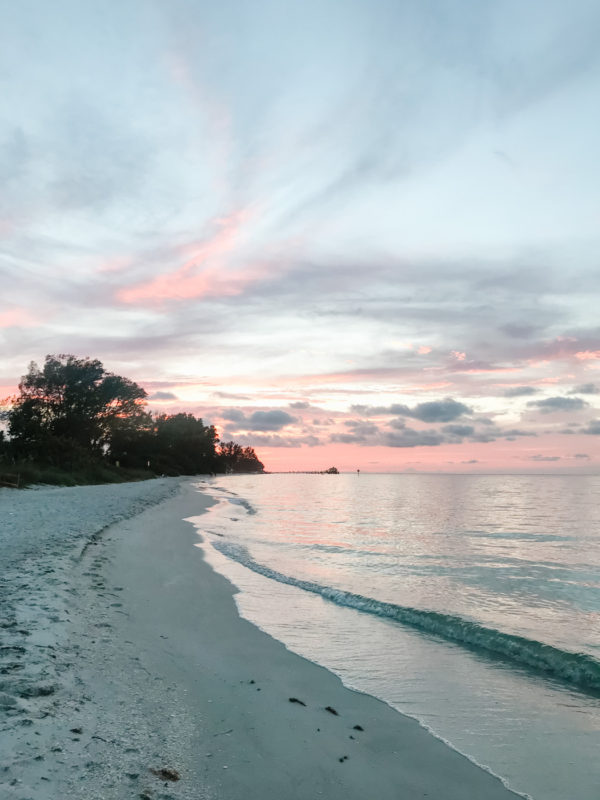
x=183 y=444
x=132 y=440
x=235 y=458
x=74 y=414
x=70 y=406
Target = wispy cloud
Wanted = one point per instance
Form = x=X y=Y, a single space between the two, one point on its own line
x=253 y=238
x=17 y=318
x=206 y=271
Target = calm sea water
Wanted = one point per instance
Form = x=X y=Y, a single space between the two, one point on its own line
x=471 y=603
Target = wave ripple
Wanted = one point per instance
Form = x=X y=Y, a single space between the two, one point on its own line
x=577 y=669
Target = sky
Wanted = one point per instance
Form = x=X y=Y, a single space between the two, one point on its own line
x=362 y=234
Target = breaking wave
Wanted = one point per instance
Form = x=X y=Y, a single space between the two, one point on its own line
x=239 y=501
x=578 y=669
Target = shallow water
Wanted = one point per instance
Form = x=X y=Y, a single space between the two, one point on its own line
x=469 y=602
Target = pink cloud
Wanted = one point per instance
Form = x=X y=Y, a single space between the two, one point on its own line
x=180 y=285
x=472 y=367
x=545 y=381
x=204 y=272
x=565 y=348
x=16 y=318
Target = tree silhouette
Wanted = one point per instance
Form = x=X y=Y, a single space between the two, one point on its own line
x=183 y=440
x=71 y=404
x=73 y=414
x=236 y=458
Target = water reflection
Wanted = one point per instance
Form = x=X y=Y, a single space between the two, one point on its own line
x=520 y=553
x=542 y=738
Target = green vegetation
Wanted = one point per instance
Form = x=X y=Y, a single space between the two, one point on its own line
x=72 y=422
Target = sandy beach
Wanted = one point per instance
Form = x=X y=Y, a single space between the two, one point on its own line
x=147 y=683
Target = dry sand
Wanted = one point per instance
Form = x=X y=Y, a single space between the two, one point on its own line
x=157 y=671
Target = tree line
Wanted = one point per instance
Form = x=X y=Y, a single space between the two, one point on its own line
x=71 y=414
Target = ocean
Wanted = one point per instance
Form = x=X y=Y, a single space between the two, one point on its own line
x=471 y=603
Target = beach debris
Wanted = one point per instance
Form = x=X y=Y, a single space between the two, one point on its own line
x=166 y=774
x=331 y=711
x=252 y=681
x=76 y=730
x=358 y=728
x=342 y=759
x=223 y=733
x=295 y=700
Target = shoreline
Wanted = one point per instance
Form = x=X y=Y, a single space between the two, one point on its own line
x=167 y=675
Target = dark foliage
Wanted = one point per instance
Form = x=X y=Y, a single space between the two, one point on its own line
x=236 y=458
x=65 y=413
x=72 y=416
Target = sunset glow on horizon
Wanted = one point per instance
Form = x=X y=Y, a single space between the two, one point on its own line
x=346 y=234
